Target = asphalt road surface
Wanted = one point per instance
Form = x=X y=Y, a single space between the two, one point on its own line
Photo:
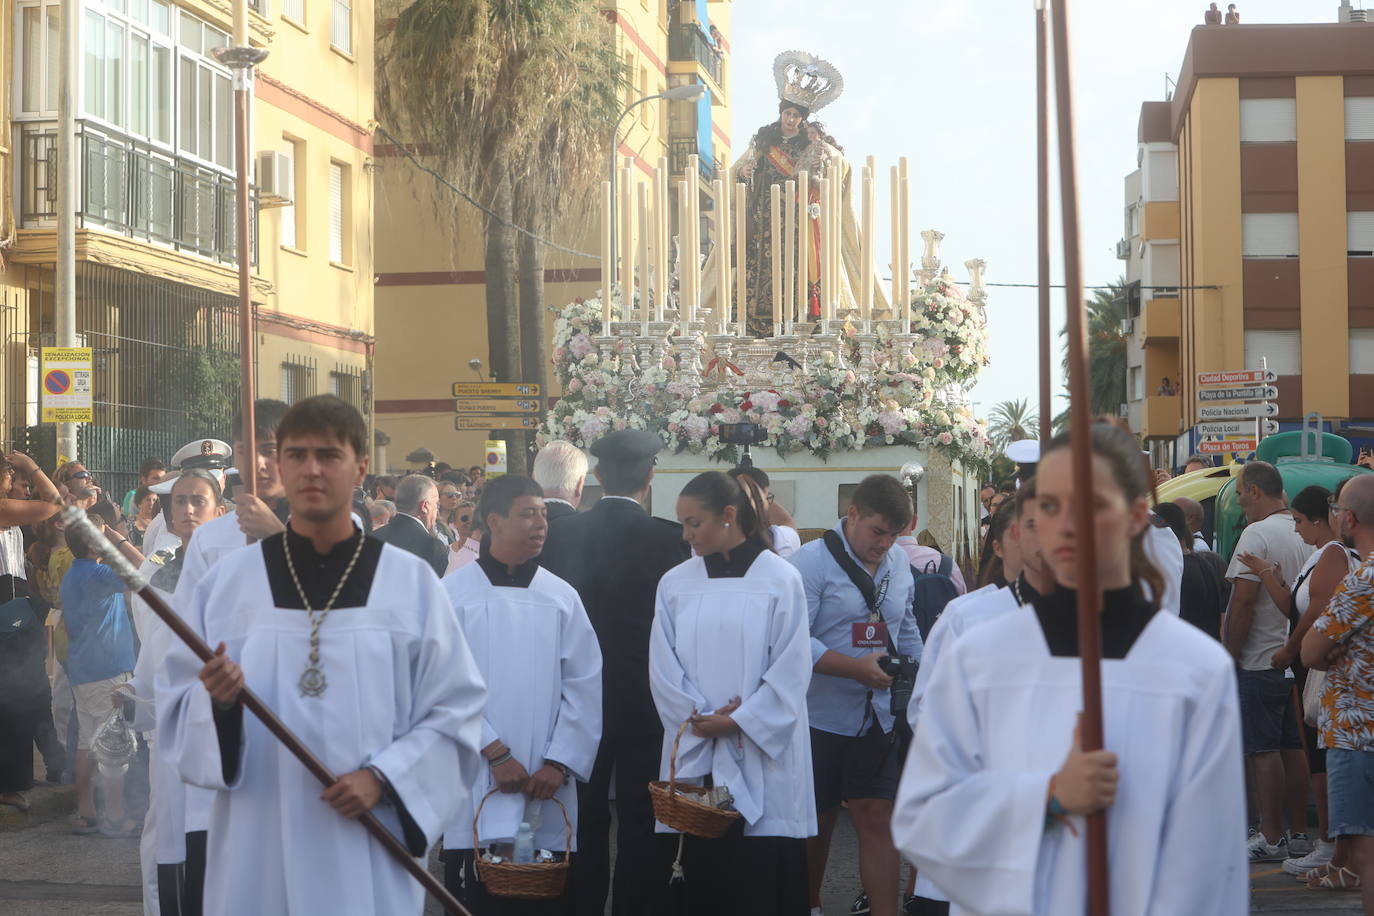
x=46 y=871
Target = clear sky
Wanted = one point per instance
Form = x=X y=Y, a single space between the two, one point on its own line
x=951 y=85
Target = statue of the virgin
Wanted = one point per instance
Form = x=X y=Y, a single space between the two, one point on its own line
x=776 y=154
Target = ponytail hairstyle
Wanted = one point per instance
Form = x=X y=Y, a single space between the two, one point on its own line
x=716 y=490
x=1130 y=471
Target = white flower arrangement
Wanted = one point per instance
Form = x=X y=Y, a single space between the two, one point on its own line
x=830 y=409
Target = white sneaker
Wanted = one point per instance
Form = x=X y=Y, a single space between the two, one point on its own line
x=1320 y=855
x=1261 y=850
x=1299 y=844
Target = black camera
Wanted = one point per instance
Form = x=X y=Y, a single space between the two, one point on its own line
x=743 y=434
x=902 y=670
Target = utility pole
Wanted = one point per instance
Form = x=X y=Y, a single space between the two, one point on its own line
x=68 y=200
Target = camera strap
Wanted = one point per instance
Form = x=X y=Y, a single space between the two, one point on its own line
x=873 y=595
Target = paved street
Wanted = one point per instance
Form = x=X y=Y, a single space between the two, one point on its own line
x=49 y=872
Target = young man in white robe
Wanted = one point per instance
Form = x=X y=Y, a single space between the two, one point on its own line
x=190 y=500
x=540 y=658
x=730 y=653
x=992 y=802
x=353 y=644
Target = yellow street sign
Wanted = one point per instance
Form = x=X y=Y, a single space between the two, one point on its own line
x=496 y=406
x=466 y=422
x=495 y=390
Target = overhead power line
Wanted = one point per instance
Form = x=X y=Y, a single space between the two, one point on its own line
x=467 y=197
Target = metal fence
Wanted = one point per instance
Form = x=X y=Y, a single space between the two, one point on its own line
x=680 y=151
x=137 y=190
x=166 y=369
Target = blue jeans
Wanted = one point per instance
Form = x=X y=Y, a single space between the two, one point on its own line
x=1350 y=792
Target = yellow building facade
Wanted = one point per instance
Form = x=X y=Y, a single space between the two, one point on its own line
x=1272 y=130
x=156 y=283
x=431 y=293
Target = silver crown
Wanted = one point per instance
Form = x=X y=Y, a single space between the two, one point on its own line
x=806 y=80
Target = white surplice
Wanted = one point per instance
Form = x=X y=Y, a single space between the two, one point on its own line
x=1164 y=551
x=541 y=660
x=209 y=543
x=995 y=724
x=403 y=695
x=747 y=637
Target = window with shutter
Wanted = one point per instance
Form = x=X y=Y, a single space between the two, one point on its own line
x=1362 y=351
x=1268 y=120
x=1282 y=349
x=338 y=193
x=291 y=236
x=341 y=26
x=1359 y=118
x=1269 y=235
x=294 y=10
x=1359 y=234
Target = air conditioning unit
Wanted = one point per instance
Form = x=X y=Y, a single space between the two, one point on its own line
x=1127 y=327
x=276 y=180
x=1124 y=411
x=1123 y=249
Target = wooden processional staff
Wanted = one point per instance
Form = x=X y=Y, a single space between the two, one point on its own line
x=1080 y=415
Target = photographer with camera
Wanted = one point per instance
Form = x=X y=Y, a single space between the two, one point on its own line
x=864 y=649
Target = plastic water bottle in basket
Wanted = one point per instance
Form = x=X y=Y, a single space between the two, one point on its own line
x=527 y=873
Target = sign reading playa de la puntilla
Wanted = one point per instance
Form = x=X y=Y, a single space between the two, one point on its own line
x=68 y=392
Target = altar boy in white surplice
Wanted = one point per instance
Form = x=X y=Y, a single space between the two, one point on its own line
x=730 y=652
x=353 y=645
x=541 y=660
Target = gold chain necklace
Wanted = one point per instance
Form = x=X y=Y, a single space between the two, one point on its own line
x=312 y=682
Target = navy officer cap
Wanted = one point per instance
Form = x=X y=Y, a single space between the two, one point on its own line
x=627 y=446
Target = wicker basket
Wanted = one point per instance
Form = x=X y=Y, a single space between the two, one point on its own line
x=687 y=815
x=531 y=881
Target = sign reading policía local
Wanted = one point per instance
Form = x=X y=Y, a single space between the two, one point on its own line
x=67 y=391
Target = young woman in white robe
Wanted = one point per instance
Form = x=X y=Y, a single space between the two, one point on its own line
x=992 y=801
x=730 y=653
x=194 y=498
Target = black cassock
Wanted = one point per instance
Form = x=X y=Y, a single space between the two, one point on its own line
x=614 y=554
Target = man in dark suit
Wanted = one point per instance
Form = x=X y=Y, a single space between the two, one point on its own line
x=412 y=529
x=614 y=554
x=561 y=469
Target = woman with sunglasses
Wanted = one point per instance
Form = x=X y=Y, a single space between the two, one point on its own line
x=446 y=526
x=467 y=537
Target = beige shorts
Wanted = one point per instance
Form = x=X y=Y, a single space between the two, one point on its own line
x=93 y=707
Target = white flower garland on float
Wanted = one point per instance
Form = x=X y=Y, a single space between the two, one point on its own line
x=905 y=399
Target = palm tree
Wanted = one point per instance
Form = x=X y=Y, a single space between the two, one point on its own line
x=1106 y=349
x=1012 y=420
x=514 y=101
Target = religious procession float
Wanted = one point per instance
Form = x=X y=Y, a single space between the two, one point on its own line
x=778 y=343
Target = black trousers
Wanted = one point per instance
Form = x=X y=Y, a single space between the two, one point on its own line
x=643 y=864
x=460 y=878
x=737 y=875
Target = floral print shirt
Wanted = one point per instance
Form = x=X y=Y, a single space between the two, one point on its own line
x=1347 y=705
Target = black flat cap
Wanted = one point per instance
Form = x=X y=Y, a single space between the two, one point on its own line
x=627 y=446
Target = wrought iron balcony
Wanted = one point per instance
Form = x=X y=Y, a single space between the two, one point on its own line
x=134 y=189
x=686 y=41
x=681 y=150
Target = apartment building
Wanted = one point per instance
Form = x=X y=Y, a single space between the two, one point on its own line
x=156 y=260
x=431 y=292
x=1272 y=128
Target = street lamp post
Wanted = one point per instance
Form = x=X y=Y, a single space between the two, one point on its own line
x=690 y=92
